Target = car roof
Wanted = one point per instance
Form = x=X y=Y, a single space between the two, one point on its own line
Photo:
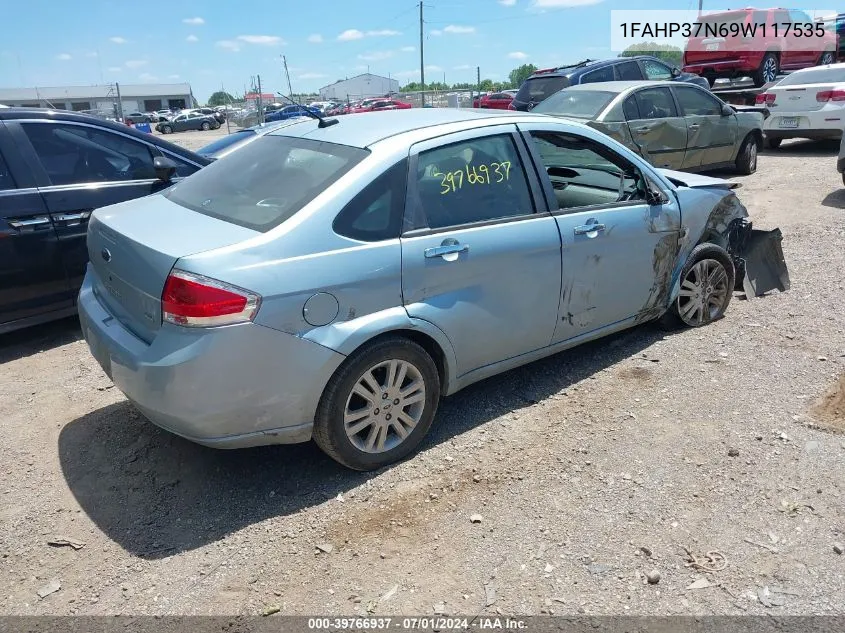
x=587 y=65
x=368 y=128
x=622 y=86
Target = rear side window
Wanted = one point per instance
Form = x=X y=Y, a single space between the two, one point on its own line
x=628 y=71
x=632 y=112
x=600 y=74
x=376 y=213
x=539 y=88
x=583 y=104
x=655 y=103
x=6 y=180
x=267 y=181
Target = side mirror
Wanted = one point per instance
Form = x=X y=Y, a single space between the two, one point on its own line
x=653 y=195
x=727 y=110
x=164 y=168
x=676 y=72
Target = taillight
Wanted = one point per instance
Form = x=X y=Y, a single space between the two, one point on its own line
x=767 y=98
x=195 y=301
x=823 y=96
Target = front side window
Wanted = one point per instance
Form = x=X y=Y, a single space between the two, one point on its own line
x=600 y=74
x=267 y=181
x=628 y=71
x=76 y=154
x=585 y=173
x=471 y=181
x=376 y=213
x=695 y=102
x=655 y=103
x=655 y=70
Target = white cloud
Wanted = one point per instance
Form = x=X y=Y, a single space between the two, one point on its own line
x=408 y=49
x=91 y=54
x=173 y=76
x=350 y=35
x=114 y=69
x=436 y=33
x=507 y=3
x=359 y=67
x=194 y=21
x=459 y=30
x=311 y=76
x=147 y=77
x=376 y=56
x=192 y=39
x=228 y=45
x=563 y=4
x=63 y=57
x=118 y=40
x=263 y=40
x=517 y=55
x=315 y=39
x=462 y=67
x=136 y=63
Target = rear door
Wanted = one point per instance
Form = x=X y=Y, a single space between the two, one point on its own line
x=82 y=167
x=628 y=71
x=711 y=137
x=659 y=132
x=479 y=259
x=32 y=275
x=617 y=250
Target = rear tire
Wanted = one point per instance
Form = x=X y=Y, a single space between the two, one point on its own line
x=768 y=70
x=746 y=159
x=828 y=57
x=773 y=143
x=343 y=408
x=707 y=283
x=167 y=129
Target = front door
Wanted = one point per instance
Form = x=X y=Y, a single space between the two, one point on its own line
x=657 y=129
x=618 y=250
x=32 y=277
x=479 y=260
x=711 y=135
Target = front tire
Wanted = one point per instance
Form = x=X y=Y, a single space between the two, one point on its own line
x=206 y=126
x=167 y=129
x=707 y=283
x=768 y=70
x=379 y=405
x=746 y=159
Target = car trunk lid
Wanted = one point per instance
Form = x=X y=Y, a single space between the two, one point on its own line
x=804 y=97
x=134 y=245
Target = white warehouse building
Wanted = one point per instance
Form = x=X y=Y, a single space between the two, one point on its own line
x=103 y=98
x=359 y=87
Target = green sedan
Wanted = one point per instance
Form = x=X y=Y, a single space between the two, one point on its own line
x=677 y=126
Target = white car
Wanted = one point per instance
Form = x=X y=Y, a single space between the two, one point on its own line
x=808 y=103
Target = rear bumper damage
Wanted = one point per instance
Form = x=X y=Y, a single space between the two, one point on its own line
x=758 y=259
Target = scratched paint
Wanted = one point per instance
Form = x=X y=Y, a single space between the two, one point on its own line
x=663 y=263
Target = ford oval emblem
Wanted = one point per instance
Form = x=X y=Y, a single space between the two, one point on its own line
x=106 y=253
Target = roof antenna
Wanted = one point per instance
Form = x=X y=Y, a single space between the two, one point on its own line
x=323 y=122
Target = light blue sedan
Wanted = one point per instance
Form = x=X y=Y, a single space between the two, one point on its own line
x=334 y=281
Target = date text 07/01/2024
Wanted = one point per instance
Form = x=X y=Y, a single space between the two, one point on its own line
x=725 y=29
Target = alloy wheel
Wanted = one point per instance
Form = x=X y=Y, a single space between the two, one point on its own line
x=827 y=58
x=704 y=293
x=752 y=156
x=770 y=69
x=385 y=405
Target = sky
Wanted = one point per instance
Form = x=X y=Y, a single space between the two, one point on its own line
x=221 y=43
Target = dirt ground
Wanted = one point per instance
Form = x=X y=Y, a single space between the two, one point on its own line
x=590 y=470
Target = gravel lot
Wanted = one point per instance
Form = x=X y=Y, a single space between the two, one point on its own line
x=590 y=470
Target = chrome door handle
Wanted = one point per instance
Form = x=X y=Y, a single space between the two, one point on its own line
x=645 y=128
x=30 y=223
x=584 y=229
x=448 y=249
x=693 y=126
x=71 y=217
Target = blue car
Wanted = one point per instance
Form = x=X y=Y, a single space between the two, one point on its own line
x=288 y=112
x=334 y=281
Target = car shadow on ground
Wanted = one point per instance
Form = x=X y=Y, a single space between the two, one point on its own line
x=156 y=494
x=835 y=199
x=803 y=148
x=39 y=338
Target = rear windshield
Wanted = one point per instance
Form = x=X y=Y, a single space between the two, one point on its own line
x=267 y=181
x=582 y=104
x=537 y=89
x=814 y=76
x=737 y=17
x=224 y=142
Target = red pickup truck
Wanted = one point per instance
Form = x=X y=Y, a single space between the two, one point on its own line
x=758 y=43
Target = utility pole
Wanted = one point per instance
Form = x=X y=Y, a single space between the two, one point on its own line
x=422 y=60
x=119 y=103
x=260 y=108
x=287 y=74
x=700 y=6
x=478 y=79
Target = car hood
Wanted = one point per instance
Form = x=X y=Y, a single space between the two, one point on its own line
x=696 y=181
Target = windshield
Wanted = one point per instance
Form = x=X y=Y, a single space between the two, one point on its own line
x=224 y=142
x=814 y=76
x=582 y=104
x=539 y=88
x=266 y=182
